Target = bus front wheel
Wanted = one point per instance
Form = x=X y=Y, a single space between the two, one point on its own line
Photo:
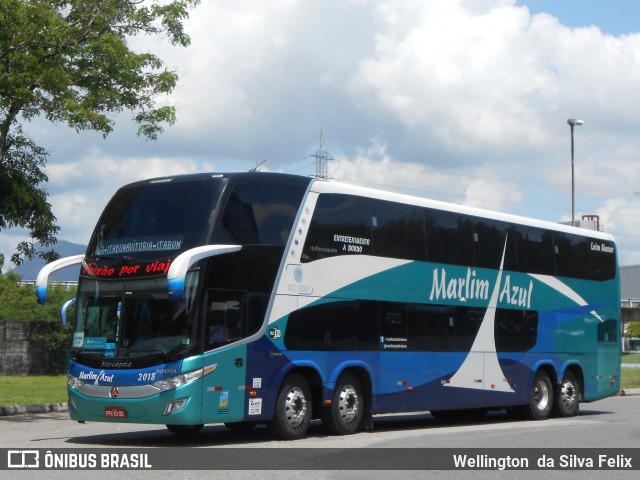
x=540 y=398
x=345 y=414
x=293 y=409
x=566 y=402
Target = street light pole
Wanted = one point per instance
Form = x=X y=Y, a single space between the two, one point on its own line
x=572 y=123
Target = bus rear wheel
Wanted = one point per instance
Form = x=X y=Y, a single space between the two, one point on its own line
x=566 y=402
x=293 y=409
x=540 y=398
x=345 y=414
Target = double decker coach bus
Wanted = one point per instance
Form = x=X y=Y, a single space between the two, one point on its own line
x=260 y=298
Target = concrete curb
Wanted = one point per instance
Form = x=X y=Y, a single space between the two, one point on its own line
x=38 y=408
x=630 y=391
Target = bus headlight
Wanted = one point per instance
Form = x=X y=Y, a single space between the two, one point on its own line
x=74 y=382
x=178 y=380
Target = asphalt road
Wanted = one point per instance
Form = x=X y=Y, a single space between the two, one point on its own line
x=607 y=424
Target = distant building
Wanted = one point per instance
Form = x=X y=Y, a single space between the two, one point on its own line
x=589 y=222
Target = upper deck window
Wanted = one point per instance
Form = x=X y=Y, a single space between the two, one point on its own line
x=357 y=225
x=259 y=213
x=157 y=219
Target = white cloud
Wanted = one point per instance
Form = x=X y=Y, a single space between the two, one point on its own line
x=622 y=216
x=375 y=168
x=493 y=193
x=458 y=78
x=501 y=81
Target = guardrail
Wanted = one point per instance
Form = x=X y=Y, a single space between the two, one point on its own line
x=66 y=284
x=630 y=303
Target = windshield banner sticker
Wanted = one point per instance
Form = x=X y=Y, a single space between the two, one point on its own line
x=148 y=244
x=132 y=270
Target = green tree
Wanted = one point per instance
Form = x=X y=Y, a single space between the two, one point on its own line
x=633 y=330
x=69 y=61
x=17 y=301
x=17 y=304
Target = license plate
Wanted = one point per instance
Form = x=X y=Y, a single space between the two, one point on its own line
x=115 y=412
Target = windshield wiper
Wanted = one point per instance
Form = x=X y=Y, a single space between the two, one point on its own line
x=156 y=352
x=110 y=257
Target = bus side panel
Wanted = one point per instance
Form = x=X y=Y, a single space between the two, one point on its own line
x=267 y=368
x=224 y=389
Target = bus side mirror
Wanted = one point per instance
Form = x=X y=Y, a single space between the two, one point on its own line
x=63 y=310
x=43 y=275
x=183 y=262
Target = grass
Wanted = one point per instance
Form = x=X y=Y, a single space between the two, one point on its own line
x=630 y=378
x=631 y=358
x=29 y=390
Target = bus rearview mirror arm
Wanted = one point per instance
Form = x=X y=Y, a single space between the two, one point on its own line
x=183 y=262
x=63 y=310
x=43 y=275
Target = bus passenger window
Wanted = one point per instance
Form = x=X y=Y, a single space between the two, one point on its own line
x=224 y=317
x=217 y=331
x=608 y=331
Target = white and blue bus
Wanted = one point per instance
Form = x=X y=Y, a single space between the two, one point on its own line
x=261 y=298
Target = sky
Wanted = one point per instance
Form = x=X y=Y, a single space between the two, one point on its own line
x=464 y=101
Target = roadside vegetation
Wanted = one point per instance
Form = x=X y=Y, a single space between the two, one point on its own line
x=18 y=301
x=18 y=304
x=630 y=378
x=30 y=390
x=631 y=358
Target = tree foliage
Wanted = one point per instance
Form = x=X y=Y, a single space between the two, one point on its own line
x=633 y=330
x=18 y=302
x=70 y=62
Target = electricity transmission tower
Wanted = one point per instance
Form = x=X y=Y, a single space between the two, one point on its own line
x=322 y=160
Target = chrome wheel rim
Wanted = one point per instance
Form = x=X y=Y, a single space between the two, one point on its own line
x=568 y=395
x=348 y=403
x=295 y=407
x=541 y=395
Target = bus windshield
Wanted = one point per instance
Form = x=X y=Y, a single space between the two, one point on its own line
x=117 y=321
x=163 y=218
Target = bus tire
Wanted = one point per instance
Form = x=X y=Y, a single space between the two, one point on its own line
x=185 y=430
x=540 y=398
x=293 y=409
x=567 y=398
x=346 y=412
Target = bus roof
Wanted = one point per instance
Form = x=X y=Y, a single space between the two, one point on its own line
x=329 y=186
x=236 y=176
x=333 y=186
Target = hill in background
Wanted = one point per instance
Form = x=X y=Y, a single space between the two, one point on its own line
x=30 y=268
